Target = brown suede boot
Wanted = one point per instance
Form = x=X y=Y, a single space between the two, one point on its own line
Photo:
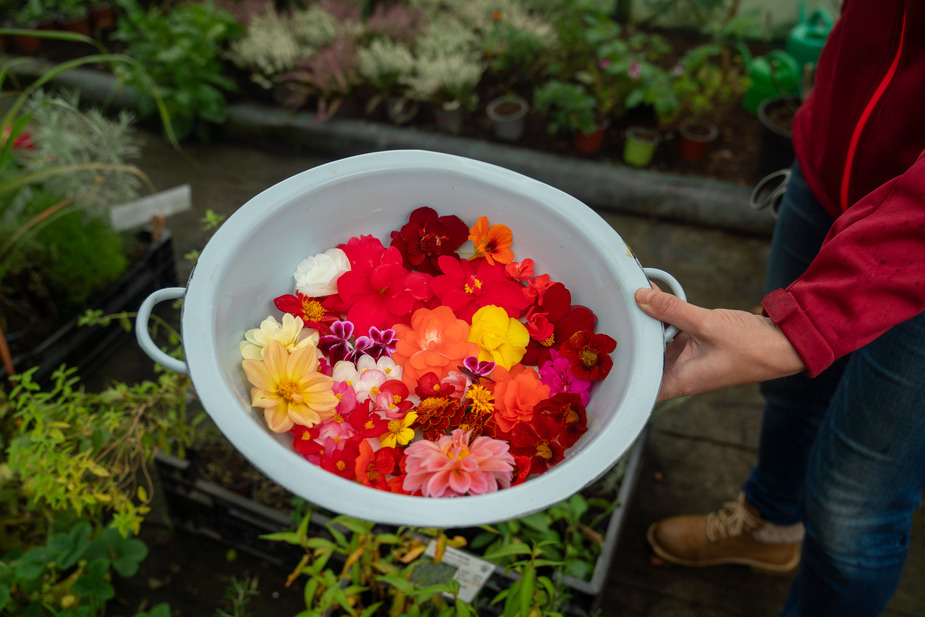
x=734 y=535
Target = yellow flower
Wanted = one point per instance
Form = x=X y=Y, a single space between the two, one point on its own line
x=288 y=333
x=501 y=339
x=289 y=387
x=399 y=431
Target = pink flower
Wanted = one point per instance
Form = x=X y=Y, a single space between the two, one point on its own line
x=635 y=69
x=452 y=467
x=557 y=374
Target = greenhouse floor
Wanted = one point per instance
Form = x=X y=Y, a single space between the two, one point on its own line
x=697 y=455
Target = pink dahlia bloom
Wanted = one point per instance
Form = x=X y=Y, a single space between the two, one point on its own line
x=453 y=467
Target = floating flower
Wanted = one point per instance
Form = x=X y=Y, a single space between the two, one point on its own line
x=434 y=415
x=466 y=286
x=538 y=440
x=493 y=243
x=565 y=318
x=452 y=467
x=391 y=399
x=569 y=413
x=557 y=374
x=290 y=333
x=426 y=237
x=340 y=457
x=399 y=432
x=368 y=423
x=435 y=341
x=520 y=270
x=338 y=344
x=383 y=294
x=516 y=393
x=388 y=366
x=318 y=275
x=373 y=467
x=312 y=311
x=501 y=339
x=304 y=441
x=477 y=369
x=289 y=388
x=379 y=343
x=589 y=354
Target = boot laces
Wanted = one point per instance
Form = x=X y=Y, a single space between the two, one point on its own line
x=731 y=521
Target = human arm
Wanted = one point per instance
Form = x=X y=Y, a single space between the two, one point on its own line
x=717 y=348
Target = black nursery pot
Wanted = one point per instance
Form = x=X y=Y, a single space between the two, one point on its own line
x=776 y=148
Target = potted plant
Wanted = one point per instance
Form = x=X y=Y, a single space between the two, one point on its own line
x=385 y=64
x=448 y=67
x=568 y=107
x=508 y=115
x=72 y=16
x=706 y=82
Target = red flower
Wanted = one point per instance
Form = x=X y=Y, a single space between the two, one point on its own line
x=565 y=318
x=373 y=468
x=589 y=354
x=521 y=469
x=435 y=413
x=391 y=399
x=368 y=423
x=430 y=385
x=341 y=460
x=467 y=286
x=379 y=292
x=568 y=412
x=426 y=237
x=304 y=441
x=313 y=312
x=538 y=439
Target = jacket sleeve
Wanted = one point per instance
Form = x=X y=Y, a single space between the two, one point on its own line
x=869 y=275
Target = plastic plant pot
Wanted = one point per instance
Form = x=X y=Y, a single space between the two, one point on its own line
x=640 y=145
x=508 y=115
x=696 y=138
x=250 y=260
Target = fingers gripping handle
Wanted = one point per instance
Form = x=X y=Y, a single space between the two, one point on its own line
x=674 y=286
x=143 y=333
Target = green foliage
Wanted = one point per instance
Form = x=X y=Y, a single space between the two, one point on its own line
x=568 y=106
x=238 y=594
x=69 y=452
x=568 y=527
x=532 y=594
x=70 y=575
x=77 y=256
x=178 y=52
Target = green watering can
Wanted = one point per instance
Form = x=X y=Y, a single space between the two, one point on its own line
x=809 y=35
x=774 y=74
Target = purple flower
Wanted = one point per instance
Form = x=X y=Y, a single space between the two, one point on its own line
x=337 y=345
x=379 y=343
x=557 y=374
x=477 y=369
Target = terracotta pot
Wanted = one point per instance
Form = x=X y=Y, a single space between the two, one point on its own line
x=103 y=17
x=77 y=25
x=696 y=138
x=589 y=143
x=26 y=44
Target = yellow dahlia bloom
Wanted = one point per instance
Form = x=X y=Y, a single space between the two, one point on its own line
x=291 y=333
x=289 y=387
x=501 y=339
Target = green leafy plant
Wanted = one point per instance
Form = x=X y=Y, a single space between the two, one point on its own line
x=568 y=107
x=178 y=52
x=707 y=80
x=532 y=594
x=70 y=575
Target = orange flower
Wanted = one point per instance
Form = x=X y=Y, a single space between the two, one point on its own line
x=434 y=342
x=517 y=392
x=493 y=243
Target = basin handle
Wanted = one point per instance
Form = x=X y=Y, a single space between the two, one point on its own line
x=143 y=333
x=674 y=286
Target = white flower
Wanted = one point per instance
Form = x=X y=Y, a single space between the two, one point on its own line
x=385 y=364
x=292 y=333
x=317 y=276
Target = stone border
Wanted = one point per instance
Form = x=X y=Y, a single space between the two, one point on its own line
x=603 y=186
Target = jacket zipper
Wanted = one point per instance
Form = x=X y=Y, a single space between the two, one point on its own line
x=865 y=116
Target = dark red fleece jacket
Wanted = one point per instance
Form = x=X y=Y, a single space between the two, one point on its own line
x=860 y=141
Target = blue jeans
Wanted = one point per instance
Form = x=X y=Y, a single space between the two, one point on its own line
x=843 y=452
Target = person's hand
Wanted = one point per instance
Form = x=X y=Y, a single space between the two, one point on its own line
x=717 y=348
